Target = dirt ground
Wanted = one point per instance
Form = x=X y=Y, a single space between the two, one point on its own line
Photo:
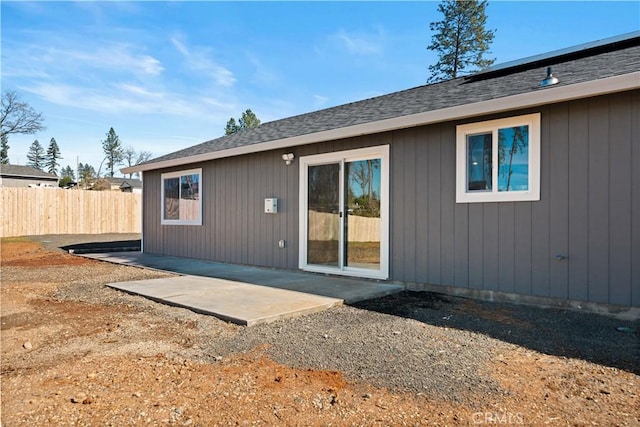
x=121 y=360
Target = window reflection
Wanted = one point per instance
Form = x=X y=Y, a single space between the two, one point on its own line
x=323 y=214
x=479 y=157
x=171 y=197
x=513 y=159
x=362 y=228
x=181 y=197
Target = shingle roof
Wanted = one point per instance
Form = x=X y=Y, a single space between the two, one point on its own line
x=133 y=182
x=25 y=172
x=608 y=60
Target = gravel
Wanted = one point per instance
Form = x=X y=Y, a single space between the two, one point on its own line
x=411 y=341
x=417 y=341
x=384 y=350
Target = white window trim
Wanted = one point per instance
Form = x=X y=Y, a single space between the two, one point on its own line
x=533 y=192
x=178 y=174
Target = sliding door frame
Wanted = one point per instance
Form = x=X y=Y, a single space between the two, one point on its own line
x=341 y=157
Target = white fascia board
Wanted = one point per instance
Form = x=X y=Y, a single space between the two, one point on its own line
x=530 y=99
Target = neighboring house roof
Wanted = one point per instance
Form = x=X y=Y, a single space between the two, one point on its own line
x=19 y=171
x=596 y=68
x=125 y=182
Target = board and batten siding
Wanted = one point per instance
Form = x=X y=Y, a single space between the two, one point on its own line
x=234 y=227
x=581 y=241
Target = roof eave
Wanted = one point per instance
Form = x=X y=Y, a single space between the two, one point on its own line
x=530 y=99
x=10 y=175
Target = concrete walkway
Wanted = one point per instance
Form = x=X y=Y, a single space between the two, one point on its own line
x=242 y=294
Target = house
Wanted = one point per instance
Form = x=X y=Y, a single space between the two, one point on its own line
x=26 y=176
x=520 y=182
x=126 y=185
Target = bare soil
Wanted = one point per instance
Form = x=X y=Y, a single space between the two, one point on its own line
x=75 y=352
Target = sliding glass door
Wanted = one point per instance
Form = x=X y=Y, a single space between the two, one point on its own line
x=323 y=214
x=344 y=212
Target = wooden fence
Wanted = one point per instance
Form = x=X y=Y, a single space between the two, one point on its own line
x=326 y=226
x=36 y=211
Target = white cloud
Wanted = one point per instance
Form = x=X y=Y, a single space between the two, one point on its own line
x=121 y=80
x=40 y=60
x=319 y=101
x=220 y=105
x=179 y=45
x=198 y=59
x=121 y=98
x=149 y=65
x=360 y=44
x=139 y=90
x=116 y=57
x=262 y=73
x=98 y=10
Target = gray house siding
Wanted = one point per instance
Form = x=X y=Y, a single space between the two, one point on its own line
x=235 y=228
x=25 y=182
x=589 y=212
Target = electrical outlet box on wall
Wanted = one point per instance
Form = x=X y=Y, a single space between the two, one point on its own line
x=271 y=205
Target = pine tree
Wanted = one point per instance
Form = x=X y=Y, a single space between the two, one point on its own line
x=67 y=173
x=232 y=127
x=35 y=155
x=53 y=155
x=113 y=150
x=246 y=121
x=86 y=173
x=4 y=150
x=67 y=176
x=460 y=39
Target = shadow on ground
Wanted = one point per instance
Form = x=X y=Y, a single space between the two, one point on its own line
x=558 y=332
x=111 y=246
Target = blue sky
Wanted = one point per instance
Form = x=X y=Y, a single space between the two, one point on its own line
x=168 y=75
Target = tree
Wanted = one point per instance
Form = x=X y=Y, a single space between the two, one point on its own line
x=67 y=173
x=67 y=176
x=35 y=155
x=53 y=155
x=132 y=157
x=232 y=127
x=4 y=150
x=517 y=144
x=17 y=117
x=113 y=150
x=363 y=174
x=246 y=121
x=461 y=39
x=86 y=173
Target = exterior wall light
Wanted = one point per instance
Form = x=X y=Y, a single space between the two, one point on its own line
x=549 y=80
x=288 y=158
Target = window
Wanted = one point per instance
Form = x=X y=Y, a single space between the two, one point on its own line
x=181 y=197
x=498 y=160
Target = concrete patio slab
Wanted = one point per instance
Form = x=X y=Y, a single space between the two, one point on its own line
x=235 y=302
x=350 y=290
x=244 y=295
